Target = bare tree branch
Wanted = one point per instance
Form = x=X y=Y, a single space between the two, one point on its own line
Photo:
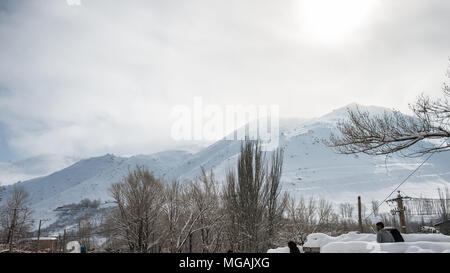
x=394 y=132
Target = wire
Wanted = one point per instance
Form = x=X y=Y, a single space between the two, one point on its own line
x=406 y=179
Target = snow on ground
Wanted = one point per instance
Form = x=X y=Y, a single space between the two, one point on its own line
x=320 y=239
x=284 y=250
x=353 y=242
x=373 y=247
x=73 y=247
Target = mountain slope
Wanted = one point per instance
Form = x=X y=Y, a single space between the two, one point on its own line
x=11 y=172
x=310 y=169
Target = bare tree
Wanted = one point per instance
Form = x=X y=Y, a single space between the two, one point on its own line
x=444 y=203
x=85 y=230
x=393 y=131
x=139 y=198
x=158 y=216
x=326 y=217
x=375 y=207
x=346 y=210
x=300 y=220
x=1 y=192
x=15 y=216
x=185 y=211
x=173 y=210
x=363 y=211
x=309 y=216
x=210 y=225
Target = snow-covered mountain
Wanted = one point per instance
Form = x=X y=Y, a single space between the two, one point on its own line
x=310 y=169
x=90 y=178
x=12 y=172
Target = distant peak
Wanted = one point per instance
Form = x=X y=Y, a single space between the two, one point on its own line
x=353 y=105
x=100 y=158
x=341 y=113
x=369 y=108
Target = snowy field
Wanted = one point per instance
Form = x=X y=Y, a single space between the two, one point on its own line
x=366 y=243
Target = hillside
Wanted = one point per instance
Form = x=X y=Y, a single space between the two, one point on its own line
x=25 y=169
x=310 y=169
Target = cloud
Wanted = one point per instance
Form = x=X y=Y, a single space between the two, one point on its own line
x=104 y=76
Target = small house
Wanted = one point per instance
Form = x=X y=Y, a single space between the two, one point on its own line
x=48 y=244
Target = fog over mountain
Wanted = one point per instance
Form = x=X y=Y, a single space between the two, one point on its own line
x=310 y=169
x=103 y=76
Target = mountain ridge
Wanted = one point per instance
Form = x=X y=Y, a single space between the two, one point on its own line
x=310 y=169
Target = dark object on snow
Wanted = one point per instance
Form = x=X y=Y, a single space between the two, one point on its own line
x=396 y=234
x=384 y=236
x=293 y=247
x=83 y=249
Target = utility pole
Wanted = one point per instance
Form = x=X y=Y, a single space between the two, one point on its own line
x=401 y=214
x=13 y=226
x=58 y=245
x=1 y=192
x=64 y=241
x=359 y=215
x=39 y=235
x=79 y=231
x=400 y=210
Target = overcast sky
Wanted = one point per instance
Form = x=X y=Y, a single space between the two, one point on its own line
x=104 y=76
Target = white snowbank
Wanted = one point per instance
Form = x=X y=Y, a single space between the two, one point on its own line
x=320 y=239
x=284 y=250
x=73 y=247
x=366 y=243
x=373 y=247
x=426 y=237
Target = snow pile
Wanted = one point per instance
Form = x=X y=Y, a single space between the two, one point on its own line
x=319 y=239
x=73 y=247
x=436 y=237
x=429 y=229
x=284 y=250
x=353 y=242
x=373 y=247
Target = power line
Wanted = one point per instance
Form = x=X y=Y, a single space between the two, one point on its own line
x=406 y=179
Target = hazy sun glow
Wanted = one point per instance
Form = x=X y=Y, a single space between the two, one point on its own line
x=333 y=21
